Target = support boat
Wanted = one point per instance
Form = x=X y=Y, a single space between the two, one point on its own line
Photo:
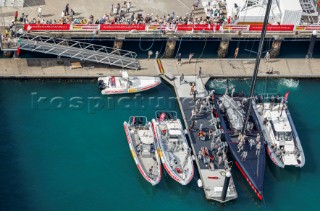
x=143 y=147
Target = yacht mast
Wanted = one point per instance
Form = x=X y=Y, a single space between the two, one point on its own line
x=256 y=67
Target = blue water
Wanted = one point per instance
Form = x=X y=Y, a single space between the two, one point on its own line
x=63 y=147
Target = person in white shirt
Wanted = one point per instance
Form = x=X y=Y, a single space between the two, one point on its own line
x=39 y=11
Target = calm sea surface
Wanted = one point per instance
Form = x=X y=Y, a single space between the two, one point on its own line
x=62 y=147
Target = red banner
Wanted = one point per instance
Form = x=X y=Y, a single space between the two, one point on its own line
x=272 y=28
x=46 y=27
x=122 y=27
x=308 y=28
x=82 y=27
x=198 y=27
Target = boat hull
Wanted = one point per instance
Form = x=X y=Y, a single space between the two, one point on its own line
x=275 y=159
x=146 y=84
x=137 y=161
x=165 y=160
x=252 y=168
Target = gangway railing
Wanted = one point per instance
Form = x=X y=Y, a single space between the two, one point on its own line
x=79 y=50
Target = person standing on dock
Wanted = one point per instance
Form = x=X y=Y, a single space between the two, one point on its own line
x=192 y=124
x=156 y=55
x=67 y=10
x=190 y=57
x=192 y=89
x=194 y=95
x=118 y=9
x=181 y=78
x=149 y=54
x=179 y=59
x=193 y=115
x=111 y=12
x=199 y=73
x=128 y=7
x=40 y=11
x=267 y=57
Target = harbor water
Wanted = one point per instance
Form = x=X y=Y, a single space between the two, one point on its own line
x=63 y=147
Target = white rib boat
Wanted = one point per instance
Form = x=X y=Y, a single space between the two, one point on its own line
x=110 y=85
x=283 y=143
x=173 y=149
x=143 y=148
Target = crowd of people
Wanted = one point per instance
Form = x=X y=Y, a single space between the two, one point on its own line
x=123 y=14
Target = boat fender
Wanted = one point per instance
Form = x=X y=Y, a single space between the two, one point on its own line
x=199 y=182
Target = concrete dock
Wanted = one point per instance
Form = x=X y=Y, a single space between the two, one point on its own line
x=218 y=68
x=212 y=178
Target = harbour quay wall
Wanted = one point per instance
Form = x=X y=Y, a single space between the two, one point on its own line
x=215 y=68
x=177 y=31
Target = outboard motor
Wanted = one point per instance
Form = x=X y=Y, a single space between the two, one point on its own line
x=101 y=84
x=256 y=99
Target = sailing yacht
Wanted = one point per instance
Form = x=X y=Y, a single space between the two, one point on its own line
x=283 y=143
x=246 y=148
x=241 y=127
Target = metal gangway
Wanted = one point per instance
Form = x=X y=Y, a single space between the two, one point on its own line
x=79 y=50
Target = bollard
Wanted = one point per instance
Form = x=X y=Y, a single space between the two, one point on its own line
x=311 y=45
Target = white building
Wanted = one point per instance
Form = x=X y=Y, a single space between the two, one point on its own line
x=282 y=11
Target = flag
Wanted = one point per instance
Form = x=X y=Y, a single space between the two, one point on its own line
x=18 y=51
x=285 y=98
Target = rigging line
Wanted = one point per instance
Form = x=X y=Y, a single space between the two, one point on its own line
x=251 y=49
x=178 y=48
x=161 y=48
x=147 y=48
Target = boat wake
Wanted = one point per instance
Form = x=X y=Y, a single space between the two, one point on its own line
x=289 y=83
x=218 y=83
